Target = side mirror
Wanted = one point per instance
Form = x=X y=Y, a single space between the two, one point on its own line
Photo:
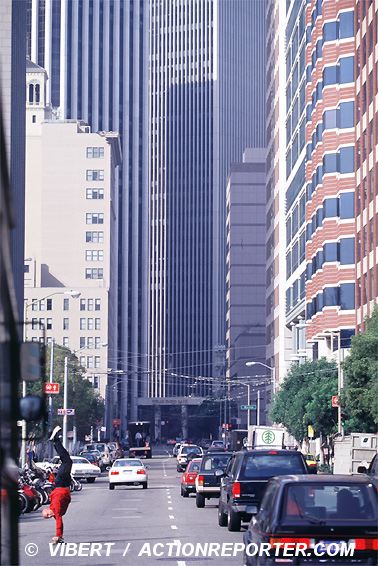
x=361 y=470
x=219 y=473
x=31 y=408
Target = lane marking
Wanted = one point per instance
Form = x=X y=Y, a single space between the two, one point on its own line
x=181 y=563
x=171 y=516
x=129 y=517
x=170 y=508
x=173 y=527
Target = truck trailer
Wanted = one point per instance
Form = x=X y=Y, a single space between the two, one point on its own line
x=139 y=439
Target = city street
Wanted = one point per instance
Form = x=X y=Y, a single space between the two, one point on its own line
x=130 y=515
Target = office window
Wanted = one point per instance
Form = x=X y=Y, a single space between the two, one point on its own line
x=82 y=341
x=330 y=295
x=330 y=119
x=346 y=24
x=83 y=324
x=302 y=247
x=94 y=237
x=90 y=342
x=95 y=152
x=90 y=362
x=48 y=323
x=94 y=255
x=90 y=304
x=97 y=304
x=97 y=323
x=48 y=304
x=330 y=251
x=302 y=285
x=82 y=361
x=346 y=70
x=95 y=382
x=42 y=305
x=347 y=251
x=330 y=163
x=97 y=342
x=95 y=194
x=330 y=31
x=94 y=273
x=66 y=304
x=94 y=218
x=97 y=361
x=66 y=324
x=66 y=342
x=35 y=324
x=346 y=159
x=330 y=75
x=347 y=205
x=90 y=325
x=34 y=305
x=302 y=210
x=330 y=208
x=346 y=114
x=82 y=304
x=95 y=175
x=347 y=298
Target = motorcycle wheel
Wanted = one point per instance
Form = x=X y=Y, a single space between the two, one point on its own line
x=79 y=486
x=22 y=503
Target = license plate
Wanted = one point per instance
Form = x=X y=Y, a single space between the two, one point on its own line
x=126 y=471
x=251 y=509
x=323 y=545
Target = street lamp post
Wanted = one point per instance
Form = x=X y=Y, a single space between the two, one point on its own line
x=273 y=370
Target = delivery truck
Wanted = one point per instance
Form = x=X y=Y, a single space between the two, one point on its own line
x=265 y=437
x=139 y=439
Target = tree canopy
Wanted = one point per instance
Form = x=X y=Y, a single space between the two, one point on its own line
x=360 y=396
x=304 y=398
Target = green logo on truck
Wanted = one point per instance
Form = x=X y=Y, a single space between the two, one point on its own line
x=268 y=437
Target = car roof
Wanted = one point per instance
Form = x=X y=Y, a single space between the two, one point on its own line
x=269 y=451
x=323 y=478
x=215 y=453
x=129 y=459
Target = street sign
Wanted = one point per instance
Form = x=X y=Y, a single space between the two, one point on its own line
x=335 y=401
x=68 y=412
x=310 y=431
x=247 y=407
x=51 y=388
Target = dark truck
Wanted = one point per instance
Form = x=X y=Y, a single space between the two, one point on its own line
x=139 y=439
x=245 y=478
x=207 y=482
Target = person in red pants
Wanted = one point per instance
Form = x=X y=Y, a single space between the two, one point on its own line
x=60 y=496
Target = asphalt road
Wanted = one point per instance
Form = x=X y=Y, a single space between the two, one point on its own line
x=130 y=516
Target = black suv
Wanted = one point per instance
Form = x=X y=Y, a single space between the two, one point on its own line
x=245 y=479
x=209 y=476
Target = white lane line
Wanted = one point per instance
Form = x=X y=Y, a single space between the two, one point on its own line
x=173 y=527
x=171 y=516
x=181 y=563
x=129 y=517
x=170 y=508
x=125 y=508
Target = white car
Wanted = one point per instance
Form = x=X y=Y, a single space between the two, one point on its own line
x=83 y=469
x=185 y=450
x=128 y=471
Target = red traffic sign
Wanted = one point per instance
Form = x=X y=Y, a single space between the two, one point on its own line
x=51 y=388
x=335 y=401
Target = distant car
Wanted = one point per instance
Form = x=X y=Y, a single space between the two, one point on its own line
x=205 y=443
x=246 y=478
x=311 y=461
x=208 y=481
x=188 y=478
x=176 y=448
x=83 y=469
x=103 y=449
x=216 y=446
x=128 y=471
x=183 y=455
x=325 y=510
x=92 y=457
x=372 y=470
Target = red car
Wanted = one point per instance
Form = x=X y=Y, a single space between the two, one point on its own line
x=188 y=479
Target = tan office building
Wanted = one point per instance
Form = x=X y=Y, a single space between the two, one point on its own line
x=71 y=243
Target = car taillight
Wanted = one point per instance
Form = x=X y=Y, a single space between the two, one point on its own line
x=141 y=472
x=366 y=543
x=201 y=480
x=114 y=473
x=236 y=489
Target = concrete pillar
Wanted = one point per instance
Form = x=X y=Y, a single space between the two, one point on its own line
x=184 y=417
x=158 y=422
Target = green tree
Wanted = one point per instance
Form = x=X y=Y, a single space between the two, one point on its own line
x=360 y=398
x=304 y=398
x=88 y=405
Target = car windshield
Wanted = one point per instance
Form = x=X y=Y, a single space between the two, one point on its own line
x=217 y=443
x=189 y=449
x=123 y=463
x=329 y=502
x=194 y=466
x=271 y=464
x=216 y=462
x=80 y=461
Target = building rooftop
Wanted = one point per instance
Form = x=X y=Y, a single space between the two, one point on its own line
x=30 y=66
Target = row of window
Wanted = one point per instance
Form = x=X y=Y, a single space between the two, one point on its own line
x=94 y=255
x=90 y=324
x=341 y=162
x=90 y=304
x=341 y=117
x=296 y=147
x=94 y=217
x=94 y=175
x=94 y=273
x=85 y=323
x=95 y=194
x=296 y=292
x=90 y=361
x=296 y=185
x=94 y=237
x=342 y=296
x=90 y=342
x=295 y=220
x=95 y=152
x=296 y=255
x=341 y=207
x=342 y=252
x=341 y=73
